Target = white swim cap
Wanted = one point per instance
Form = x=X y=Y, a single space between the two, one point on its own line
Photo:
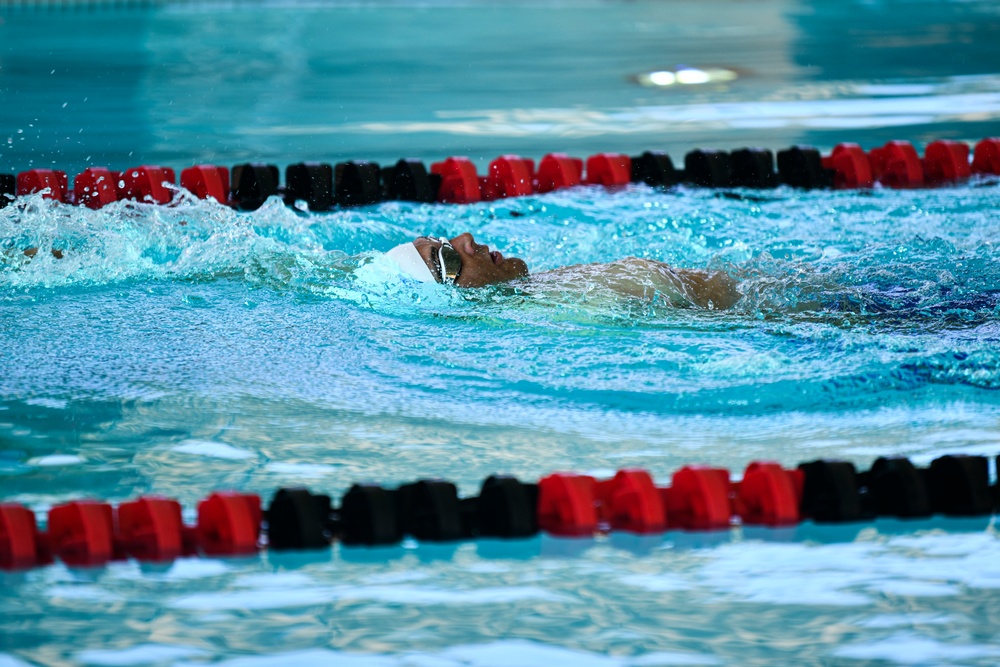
x=411 y=262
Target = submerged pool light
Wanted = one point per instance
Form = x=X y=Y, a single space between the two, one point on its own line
x=686 y=76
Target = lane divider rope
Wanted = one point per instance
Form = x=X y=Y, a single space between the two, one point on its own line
x=323 y=186
x=92 y=533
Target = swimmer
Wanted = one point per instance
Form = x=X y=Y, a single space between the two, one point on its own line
x=464 y=263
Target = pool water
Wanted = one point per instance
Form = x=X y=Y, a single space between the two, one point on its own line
x=179 y=350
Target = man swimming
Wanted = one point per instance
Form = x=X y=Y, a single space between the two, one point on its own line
x=464 y=263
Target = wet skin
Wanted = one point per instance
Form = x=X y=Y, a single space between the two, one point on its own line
x=480 y=266
x=630 y=276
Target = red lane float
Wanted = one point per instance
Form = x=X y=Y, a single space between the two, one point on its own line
x=897 y=165
x=508 y=176
x=53 y=183
x=557 y=171
x=229 y=523
x=96 y=187
x=19 y=539
x=207 y=181
x=851 y=167
x=946 y=162
x=459 y=182
x=986 y=159
x=769 y=495
x=81 y=533
x=151 y=529
x=609 y=169
x=567 y=505
x=148 y=183
x=631 y=502
x=698 y=498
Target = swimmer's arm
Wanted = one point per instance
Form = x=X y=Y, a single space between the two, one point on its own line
x=645 y=278
x=11 y=255
x=31 y=252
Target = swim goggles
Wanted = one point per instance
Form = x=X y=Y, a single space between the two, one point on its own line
x=449 y=262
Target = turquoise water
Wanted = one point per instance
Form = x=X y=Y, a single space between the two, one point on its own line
x=185 y=349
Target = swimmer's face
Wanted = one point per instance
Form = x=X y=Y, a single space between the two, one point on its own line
x=479 y=266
